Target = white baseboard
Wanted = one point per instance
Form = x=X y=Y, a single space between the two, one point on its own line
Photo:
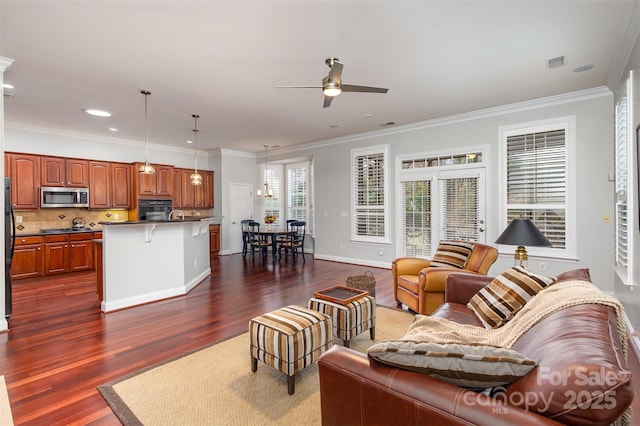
x=197 y=280
x=364 y=262
x=129 y=302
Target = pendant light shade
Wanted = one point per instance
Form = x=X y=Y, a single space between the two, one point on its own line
x=196 y=178
x=146 y=168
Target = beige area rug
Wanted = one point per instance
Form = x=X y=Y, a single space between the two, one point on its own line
x=6 y=418
x=215 y=385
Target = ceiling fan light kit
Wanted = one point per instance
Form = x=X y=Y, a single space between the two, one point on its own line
x=332 y=84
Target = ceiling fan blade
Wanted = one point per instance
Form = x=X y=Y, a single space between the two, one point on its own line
x=327 y=101
x=298 y=87
x=354 y=88
x=335 y=74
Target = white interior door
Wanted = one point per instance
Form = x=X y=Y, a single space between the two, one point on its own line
x=241 y=196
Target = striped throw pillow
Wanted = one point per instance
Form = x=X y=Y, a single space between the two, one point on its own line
x=452 y=254
x=506 y=294
x=473 y=366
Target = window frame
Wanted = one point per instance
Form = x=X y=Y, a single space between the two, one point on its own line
x=357 y=153
x=568 y=124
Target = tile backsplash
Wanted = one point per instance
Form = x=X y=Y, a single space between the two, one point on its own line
x=35 y=220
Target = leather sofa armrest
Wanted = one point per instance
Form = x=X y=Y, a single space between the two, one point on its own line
x=460 y=287
x=409 y=265
x=355 y=390
x=433 y=279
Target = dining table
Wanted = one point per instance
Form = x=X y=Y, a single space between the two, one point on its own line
x=273 y=234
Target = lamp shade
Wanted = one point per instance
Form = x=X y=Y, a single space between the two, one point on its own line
x=522 y=232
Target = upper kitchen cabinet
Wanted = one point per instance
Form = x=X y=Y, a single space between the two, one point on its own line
x=194 y=196
x=109 y=185
x=176 y=192
x=158 y=184
x=203 y=198
x=69 y=172
x=24 y=171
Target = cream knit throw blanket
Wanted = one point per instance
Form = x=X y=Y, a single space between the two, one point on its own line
x=552 y=299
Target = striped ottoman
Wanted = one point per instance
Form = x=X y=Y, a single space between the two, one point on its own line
x=351 y=319
x=289 y=339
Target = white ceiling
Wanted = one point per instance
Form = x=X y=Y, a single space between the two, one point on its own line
x=222 y=59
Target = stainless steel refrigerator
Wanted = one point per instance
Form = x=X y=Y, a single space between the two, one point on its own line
x=9 y=245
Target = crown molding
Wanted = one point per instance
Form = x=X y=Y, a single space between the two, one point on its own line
x=626 y=46
x=5 y=63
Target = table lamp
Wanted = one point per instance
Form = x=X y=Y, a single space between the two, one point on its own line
x=522 y=232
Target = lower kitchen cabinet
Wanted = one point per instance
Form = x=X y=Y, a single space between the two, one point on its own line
x=27 y=258
x=214 y=240
x=56 y=254
x=68 y=253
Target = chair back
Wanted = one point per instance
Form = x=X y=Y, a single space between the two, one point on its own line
x=254 y=231
x=297 y=232
x=481 y=258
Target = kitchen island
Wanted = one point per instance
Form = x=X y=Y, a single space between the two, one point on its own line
x=145 y=261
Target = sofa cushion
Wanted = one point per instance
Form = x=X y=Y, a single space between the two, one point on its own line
x=506 y=294
x=452 y=253
x=474 y=366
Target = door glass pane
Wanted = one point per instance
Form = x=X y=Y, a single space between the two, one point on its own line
x=460 y=213
x=416 y=206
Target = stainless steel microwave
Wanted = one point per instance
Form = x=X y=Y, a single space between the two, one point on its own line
x=64 y=197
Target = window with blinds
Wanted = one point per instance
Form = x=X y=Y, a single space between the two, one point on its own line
x=369 y=210
x=297 y=192
x=271 y=205
x=536 y=180
x=622 y=184
x=460 y=202
x=416 y=218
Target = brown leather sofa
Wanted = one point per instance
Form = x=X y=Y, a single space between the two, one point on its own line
x=358 y=391
x=421 y=287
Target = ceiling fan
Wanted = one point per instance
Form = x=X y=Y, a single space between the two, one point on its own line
x=332 y=84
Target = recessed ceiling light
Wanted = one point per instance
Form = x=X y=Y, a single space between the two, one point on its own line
x=189 y=141
x=98 y=112
x=334 y=126
x=369 y=115
x=7 y=86
x=584 y=68
x=113 y=129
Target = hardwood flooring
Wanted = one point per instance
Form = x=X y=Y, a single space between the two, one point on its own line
x=61 y=346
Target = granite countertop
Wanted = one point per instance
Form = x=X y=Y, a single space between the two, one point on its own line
x=57 y=231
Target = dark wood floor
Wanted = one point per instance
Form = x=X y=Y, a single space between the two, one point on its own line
x=61 y=346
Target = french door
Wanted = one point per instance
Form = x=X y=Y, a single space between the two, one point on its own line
x=440 y=205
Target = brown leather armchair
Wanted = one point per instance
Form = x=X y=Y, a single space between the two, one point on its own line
x=421 y=287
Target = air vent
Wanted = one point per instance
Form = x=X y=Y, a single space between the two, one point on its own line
x=555 y=62
x=8 y=95
x=388 y=123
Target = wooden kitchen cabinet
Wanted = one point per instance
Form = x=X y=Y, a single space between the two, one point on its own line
x=56 y=254
x=207 y=186
x=109 y=185
x=158 y=184
x=214 y=240
x=24 y=171
x=187 y=191
x=27 y=257
x=81 y=251
x=67 y=172
x=176 y=192
x=196 y=196
x=68 y=253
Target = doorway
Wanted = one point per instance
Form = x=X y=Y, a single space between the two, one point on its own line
x=241 y=207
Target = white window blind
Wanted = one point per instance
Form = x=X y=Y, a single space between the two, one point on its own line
x=536 y=181
x=460 y=208
x=416 y=218
x=369 y=209
x=297 y=192
x=622 y=184
x=271 y=205
x=311 y=228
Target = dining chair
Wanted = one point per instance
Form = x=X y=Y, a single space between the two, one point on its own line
x=295 y=241
x=256 y=240
x=244 y=225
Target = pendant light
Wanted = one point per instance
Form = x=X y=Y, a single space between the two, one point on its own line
x=146 y=168
x=196 y=178
x=268 y=192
